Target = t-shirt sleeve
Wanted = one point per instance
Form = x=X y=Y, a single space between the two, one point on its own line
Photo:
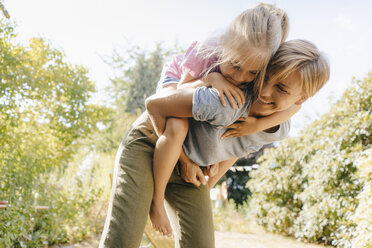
x=207 y=107
x=193 y=63
x=280 y=134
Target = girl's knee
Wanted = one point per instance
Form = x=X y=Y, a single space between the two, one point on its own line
x=177 y=127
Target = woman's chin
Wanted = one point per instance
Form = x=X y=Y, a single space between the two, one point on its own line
x=261 y=110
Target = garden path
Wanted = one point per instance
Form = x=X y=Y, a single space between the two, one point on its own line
x=231 y=240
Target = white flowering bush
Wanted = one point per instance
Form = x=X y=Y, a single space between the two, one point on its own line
x=363 y=213
x=312 y=187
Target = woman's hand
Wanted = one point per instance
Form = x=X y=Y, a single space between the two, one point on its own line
x=222 y=168
x=225 y=88
x=191 y=172
x=211 y=170
x=243 y=127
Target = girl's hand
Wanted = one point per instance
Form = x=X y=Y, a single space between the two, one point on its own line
x=269 y=124
x=225 y=88
x=243 y=127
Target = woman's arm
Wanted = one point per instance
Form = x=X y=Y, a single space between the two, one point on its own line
x=268 y=124
x=223 y=167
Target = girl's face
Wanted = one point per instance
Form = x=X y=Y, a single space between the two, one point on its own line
x=278 y=96
x=240 y=75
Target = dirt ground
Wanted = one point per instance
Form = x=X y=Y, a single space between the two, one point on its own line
x=243 y=240
x=230 y=240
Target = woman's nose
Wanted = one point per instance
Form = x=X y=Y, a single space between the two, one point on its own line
x=266 y=89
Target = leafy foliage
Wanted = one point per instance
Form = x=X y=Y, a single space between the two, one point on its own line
x=308 y=187
x=44 y=116
x=362 y=217
x=139 y=72
x=57 y=148
x=237 y=180
x=238 y=177
x=136 y=75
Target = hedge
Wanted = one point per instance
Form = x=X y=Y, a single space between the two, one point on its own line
x=315 y=187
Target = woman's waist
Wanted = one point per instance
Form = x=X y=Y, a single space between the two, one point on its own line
x=143 y=124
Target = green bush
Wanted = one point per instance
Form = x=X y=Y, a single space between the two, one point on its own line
x=363 y=213
x=68 y=218
x=308 y=187
x=45 y=115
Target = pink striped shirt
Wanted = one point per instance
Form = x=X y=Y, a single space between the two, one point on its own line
x=191 y=63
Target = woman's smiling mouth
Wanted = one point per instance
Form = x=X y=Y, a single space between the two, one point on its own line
x=262 y=102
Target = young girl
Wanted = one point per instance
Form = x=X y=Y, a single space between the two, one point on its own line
x=227 y=64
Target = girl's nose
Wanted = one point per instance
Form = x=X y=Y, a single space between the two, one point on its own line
x=244 y=77
x=239 y=77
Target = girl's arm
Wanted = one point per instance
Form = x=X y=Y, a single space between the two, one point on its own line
x=218 y=82
x=223 y=167
x=172 y=103
x=268 y=124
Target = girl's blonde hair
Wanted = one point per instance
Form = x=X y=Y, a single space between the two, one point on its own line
x=304 y=58
x=254 y=35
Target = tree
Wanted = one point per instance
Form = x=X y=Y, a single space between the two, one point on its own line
x=43 y=99
x=3 y=9
x=139 y=72
x=44 y=115
x=136 y=75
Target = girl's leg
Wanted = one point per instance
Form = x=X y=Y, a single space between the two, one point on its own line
x=167 y=152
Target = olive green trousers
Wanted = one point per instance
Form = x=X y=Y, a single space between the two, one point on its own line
x=188 y=206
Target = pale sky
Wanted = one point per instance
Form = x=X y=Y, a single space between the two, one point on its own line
x=89 y=30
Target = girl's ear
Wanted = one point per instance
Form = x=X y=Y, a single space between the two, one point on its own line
x=301 y=100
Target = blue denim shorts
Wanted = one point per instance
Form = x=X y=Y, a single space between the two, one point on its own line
x=166 y=80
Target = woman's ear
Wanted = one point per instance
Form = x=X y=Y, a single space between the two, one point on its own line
x=301 y=100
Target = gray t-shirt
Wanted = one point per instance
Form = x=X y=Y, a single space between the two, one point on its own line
x=203 y=144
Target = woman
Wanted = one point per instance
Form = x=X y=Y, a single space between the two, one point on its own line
x=296 y=72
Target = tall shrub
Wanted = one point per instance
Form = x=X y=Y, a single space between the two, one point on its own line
x=363 y=213
x=308 y=186
x=44 y=114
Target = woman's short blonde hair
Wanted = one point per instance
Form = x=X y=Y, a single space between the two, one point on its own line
x=254 y=35
x=304 y=58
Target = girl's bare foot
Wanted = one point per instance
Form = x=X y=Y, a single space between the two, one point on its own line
x=159 y=219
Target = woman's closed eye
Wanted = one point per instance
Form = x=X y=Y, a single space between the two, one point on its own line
x=281 y=89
